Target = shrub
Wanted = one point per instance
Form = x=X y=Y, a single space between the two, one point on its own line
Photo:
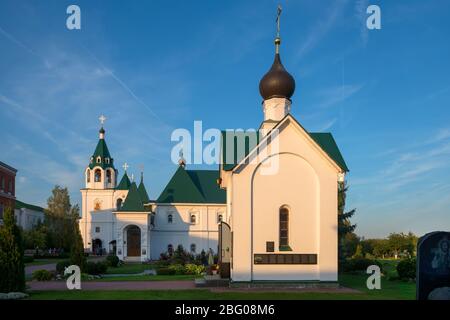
x=194 y=269
x=42 y=275
x=28 y=259
x=113 y=260
x=162 y=263
x=177 y=268
x=406 y=269
x=359 y=264
x=96 y=267
x=165 y=271
x=62 y=265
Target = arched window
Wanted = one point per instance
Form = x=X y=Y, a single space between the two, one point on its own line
x=284 y=228
x=170 y=249
x=107 y=160
x=108 y=176
x=193 y=248
x=119 y=203
x=88 y=176
x=169 y=218
x=193 y=218
x=98 y=175
x=219 y=218
x=99 y=160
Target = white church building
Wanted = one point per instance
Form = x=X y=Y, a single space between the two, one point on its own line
x=276 y=195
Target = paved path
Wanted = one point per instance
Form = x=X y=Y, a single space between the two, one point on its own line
x=114 y=285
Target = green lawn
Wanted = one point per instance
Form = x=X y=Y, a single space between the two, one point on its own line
x=130 y=268
x=389 y=290
x=132 y=277
x=402 y=290
x=39 y=262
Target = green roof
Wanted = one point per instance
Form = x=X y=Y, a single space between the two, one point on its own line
x=101 y=151
x=133 y=201
x=124 y=183
x=142 y=191
x=231 y=138
x=193 y=186
x=20 y=205
x=324 y=139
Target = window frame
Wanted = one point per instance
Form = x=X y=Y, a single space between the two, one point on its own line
x=283 y=228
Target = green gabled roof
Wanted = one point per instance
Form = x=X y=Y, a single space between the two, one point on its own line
x=324 y=139
x=133 y=201
x=102 y=151
x=206 y=182
x=20 y=205
x=124 y=183
x=251 y=139
x=143 y=192
x=193 y=186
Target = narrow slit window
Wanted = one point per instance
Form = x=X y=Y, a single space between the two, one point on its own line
x=284 y=227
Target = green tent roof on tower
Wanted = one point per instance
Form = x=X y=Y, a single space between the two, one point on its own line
x=142 y=191
x=101 y=151
x=133 y=201
x=124 y=183
x=193 y=186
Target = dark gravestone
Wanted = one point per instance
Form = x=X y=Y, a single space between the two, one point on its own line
x=433 y=266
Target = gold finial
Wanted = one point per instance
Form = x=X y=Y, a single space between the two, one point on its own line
x=278 y=39
x=182 y=161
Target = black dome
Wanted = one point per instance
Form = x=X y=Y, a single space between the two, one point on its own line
x=277 y=82
x=101 y=130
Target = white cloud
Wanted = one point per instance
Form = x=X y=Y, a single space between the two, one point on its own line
x=321 y=28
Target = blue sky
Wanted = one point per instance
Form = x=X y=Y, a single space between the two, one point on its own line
x=154 y=66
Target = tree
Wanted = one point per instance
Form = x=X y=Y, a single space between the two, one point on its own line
x=380 y=247
x=77 y=256
x=59 y=219
x=402 y=244
x=12 y=269
x=350 y=244
x=344 y=225
x=359 y=252
x=35 y=237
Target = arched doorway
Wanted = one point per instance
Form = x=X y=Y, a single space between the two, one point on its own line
x=97 y=247
x=133 y=241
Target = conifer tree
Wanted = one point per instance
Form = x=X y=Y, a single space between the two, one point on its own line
x=12 y=269
x=344 y=225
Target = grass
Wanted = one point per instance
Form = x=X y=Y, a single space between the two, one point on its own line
x=129 y=268
x=38 y=262
x=389 y=290
x=148 y=278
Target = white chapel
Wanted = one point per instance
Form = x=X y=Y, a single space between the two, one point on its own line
x=270 y=211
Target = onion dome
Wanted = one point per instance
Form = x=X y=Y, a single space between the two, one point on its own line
x=277 y=82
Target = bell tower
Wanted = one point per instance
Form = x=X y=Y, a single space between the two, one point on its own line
x=101 y=173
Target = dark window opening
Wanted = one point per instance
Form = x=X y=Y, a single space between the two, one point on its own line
x=284 y=227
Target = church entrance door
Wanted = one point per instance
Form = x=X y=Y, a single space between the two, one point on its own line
x=133 y=241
